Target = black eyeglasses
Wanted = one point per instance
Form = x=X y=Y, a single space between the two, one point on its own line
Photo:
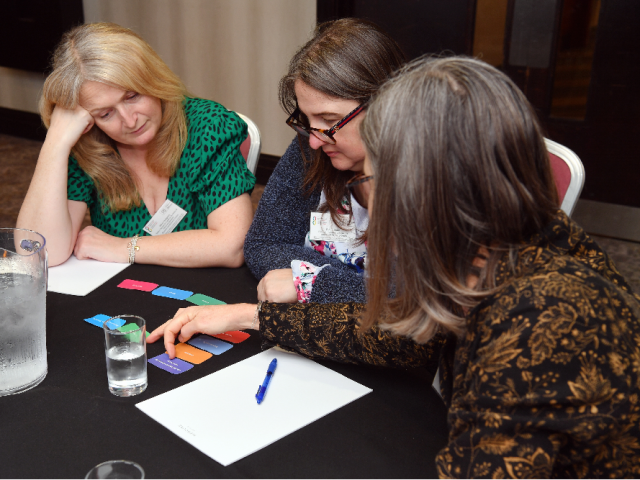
x=358 y=179
x=323 y=134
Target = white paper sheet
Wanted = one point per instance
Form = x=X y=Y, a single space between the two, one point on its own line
x=219 y=415
x=80 y=277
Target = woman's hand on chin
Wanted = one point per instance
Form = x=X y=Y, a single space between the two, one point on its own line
x=95 y=244
x=209 y=319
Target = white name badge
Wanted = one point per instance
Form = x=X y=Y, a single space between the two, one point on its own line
x=322 y=227
x=165 y=219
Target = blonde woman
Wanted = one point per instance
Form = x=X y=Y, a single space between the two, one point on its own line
x=125 y=141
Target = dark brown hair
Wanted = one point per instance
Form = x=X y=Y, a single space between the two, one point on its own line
x=460 y=167
x=349 y=59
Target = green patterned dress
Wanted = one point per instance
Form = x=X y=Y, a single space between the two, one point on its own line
x=211 y=172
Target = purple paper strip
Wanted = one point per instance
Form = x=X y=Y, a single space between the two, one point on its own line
x=175 y=366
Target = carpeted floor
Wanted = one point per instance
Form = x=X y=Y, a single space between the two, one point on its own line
x=18 y=159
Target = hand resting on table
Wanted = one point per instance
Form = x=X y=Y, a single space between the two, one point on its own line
x=98 y=245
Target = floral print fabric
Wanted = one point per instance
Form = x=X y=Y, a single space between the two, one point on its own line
x=353 y=255
x=305 y=273
x=304 y=276
x=280 y=226
x=546 y=380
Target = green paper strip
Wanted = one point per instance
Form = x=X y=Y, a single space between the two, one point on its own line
x=200 y=299
x=128 y=327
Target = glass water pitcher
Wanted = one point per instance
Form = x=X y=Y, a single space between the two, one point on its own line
x=23 y=289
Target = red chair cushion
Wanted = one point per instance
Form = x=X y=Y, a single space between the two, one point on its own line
x=561 y=175
x=245 y=146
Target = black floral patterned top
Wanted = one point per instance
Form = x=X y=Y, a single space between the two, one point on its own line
x=546 y=381
x=212 y=171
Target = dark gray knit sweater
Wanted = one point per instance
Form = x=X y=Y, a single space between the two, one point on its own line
x=279 y=229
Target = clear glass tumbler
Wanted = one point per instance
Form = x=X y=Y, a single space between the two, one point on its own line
x=126 y=351
x=116 y=469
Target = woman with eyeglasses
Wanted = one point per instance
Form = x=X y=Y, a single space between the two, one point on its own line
x=536 y=332
x=160 y=172
x=307 y=242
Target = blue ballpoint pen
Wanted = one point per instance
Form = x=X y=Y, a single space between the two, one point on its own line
x=262 y=389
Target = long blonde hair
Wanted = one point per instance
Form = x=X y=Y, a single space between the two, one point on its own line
x=116 y=56
x=460 y=164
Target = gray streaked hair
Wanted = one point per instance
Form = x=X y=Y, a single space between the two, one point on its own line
x=460 y=168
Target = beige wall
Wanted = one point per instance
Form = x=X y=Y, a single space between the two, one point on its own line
x=20 y=89
x=231 y=51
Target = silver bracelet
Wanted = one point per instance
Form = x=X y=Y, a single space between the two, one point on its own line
x=133 y=248
x=255 y=315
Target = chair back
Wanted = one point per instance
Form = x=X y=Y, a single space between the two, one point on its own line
x=250 y=148
x=568 y=173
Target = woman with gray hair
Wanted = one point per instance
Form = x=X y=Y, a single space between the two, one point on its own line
x=536 y=332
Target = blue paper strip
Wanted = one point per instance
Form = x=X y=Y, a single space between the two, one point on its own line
x=98 y=321
x=210 y=344
x=172 y=293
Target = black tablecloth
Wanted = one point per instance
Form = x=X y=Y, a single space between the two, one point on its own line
x=71 y=422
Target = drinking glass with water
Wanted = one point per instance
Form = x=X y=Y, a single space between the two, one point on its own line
x=126 y=351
